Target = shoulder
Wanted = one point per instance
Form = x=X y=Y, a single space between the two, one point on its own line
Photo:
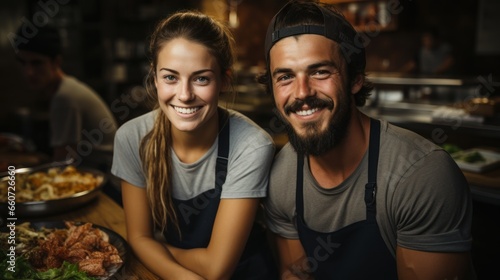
x=72 y=90
x=405 y=140
x=280 y=201
x=405 y=155
x=285 y=159
x=283 y=171
x=245 y=132
x=138 y=126
x=70 y=83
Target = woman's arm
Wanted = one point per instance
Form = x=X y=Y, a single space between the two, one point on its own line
x=233 y=223
x=141 y=238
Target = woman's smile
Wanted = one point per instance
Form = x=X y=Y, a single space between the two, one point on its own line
x=186 y=110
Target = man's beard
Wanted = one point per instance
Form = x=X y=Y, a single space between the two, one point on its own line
x=316 y=142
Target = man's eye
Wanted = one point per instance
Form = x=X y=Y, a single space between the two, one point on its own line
x=321 y=73
x=283 y=78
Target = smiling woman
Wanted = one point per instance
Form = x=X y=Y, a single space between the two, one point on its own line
x=188 y=92
x=190 y=170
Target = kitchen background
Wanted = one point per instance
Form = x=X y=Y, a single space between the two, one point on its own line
x=105 y=45
x=105 y=40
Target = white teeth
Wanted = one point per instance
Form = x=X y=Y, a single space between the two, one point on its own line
x=307 y=112
x=186 y=110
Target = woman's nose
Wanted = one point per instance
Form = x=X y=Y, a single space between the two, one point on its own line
x=185 y=92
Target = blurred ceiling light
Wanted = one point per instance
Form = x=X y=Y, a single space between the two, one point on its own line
x=233 y=13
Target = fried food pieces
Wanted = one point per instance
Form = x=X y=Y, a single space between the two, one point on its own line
x=84 y=245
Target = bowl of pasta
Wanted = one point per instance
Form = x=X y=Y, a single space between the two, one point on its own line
x=49 y=190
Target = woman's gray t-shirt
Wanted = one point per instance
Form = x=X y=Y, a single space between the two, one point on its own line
x=251 y=151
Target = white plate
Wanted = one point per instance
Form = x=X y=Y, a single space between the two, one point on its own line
x=492 y=160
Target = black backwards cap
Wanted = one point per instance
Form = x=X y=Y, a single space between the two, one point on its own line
x=335 y=27
x=44 y=40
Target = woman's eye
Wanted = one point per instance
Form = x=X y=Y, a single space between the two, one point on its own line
x=202 y=80
x=169 y=78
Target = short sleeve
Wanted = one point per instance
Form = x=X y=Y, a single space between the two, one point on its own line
x=434 y=209
x=248 y=172
x=126 y=161
x=280 y=202
x=278 y=222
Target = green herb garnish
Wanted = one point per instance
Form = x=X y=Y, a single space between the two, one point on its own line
x=24 y=271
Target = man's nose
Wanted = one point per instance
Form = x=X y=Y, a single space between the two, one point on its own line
x=303 y=89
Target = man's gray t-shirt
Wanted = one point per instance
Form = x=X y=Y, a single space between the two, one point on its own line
x=423 y=200
x=251 y=151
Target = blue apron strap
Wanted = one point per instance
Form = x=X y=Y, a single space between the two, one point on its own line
x=222 y=149
x=373 y=153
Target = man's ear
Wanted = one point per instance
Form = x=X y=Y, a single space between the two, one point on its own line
x=357 y=83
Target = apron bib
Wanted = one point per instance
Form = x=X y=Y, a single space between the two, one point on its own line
x=196 y=217
x=356 y=251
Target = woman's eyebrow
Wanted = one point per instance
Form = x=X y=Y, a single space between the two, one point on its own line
x=169 y=70
x=202 y=71
x=194 y=73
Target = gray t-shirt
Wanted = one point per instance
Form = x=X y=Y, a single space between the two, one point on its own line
x=423 y=200
x=77 y=114
x=251 y=151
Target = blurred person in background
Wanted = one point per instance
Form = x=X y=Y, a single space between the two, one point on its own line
x=82 y=127
x=434 y=57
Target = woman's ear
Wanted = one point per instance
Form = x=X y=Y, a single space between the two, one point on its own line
x=226 y=80
x=357 y=83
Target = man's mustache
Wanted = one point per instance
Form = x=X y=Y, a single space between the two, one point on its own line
x=312 y=102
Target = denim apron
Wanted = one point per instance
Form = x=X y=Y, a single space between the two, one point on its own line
x=356 y=251
x=256 y=261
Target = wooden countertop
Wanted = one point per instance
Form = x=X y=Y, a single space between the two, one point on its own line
x=490 y=179
x=105 y=212
x=485 y=187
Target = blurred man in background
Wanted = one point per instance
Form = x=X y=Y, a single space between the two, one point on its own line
x=82 y=126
